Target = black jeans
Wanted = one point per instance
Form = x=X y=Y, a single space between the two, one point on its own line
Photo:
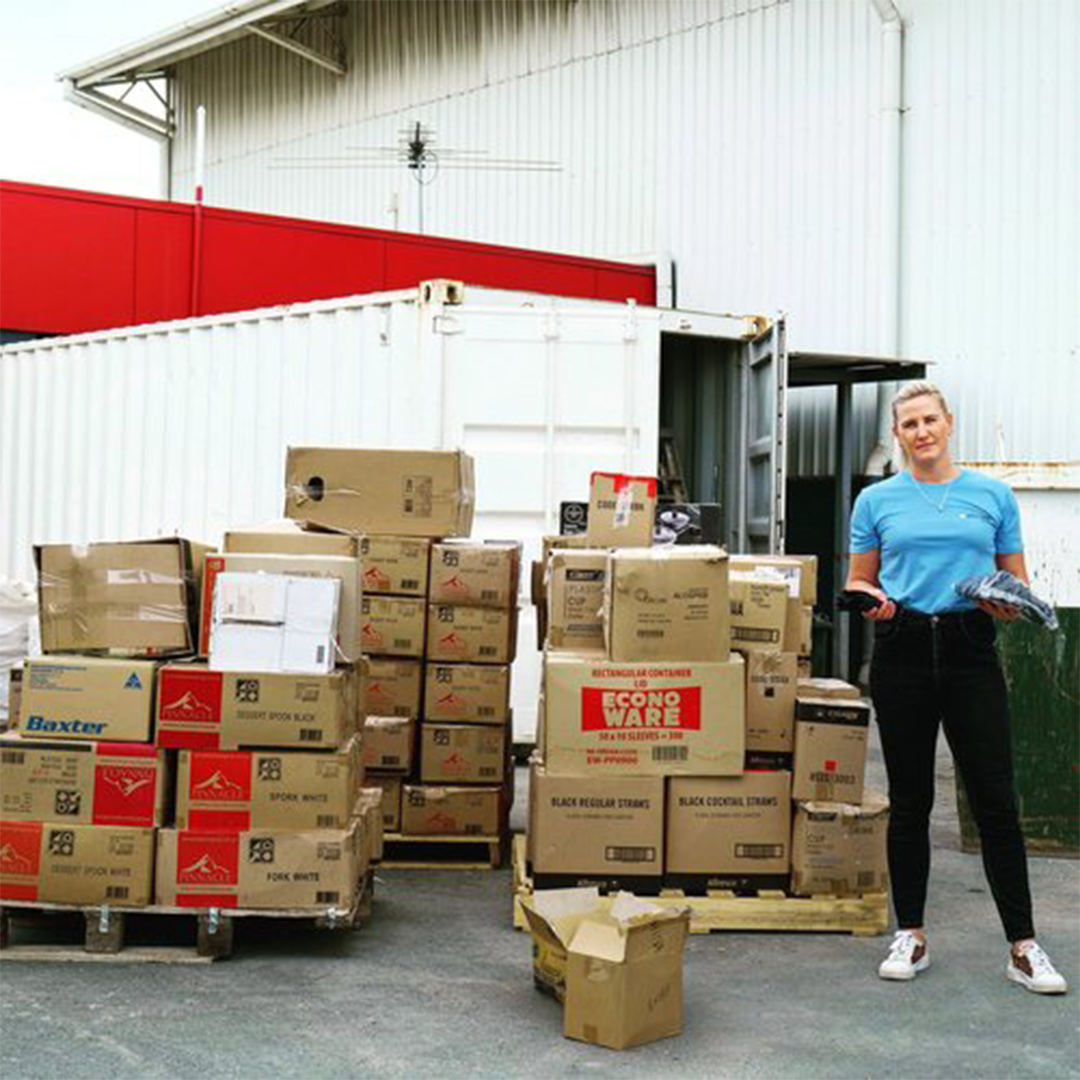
x=928 y=671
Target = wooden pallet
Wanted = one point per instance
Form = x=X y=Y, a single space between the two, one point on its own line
x=106 y=929
x=402 y=852
x=768 y=910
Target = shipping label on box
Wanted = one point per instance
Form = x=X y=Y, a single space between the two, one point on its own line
x=237 y=789
x=839 y=849
x=798 y=572
x=394 y=625
x=575 y=595
x=84 y=783
x=79 y=697
x=451 y=811
x=388 y=743
x=290 y=538
x=395 y=564
x=730 y=832
x=76 y=864
x=470 y=693
x=622 y=510
x=668 y=604
x=462 y=753
x=758 y=613
x=647 y=719
x=471 y=634
x=770 y=709
x=830 y=749
x=427 y=493
x=199 y=709
x=264 y=868
x=395 y=686
x=475 y=573
x=391 y=800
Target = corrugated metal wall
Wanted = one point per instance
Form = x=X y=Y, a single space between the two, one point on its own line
x=742 y=138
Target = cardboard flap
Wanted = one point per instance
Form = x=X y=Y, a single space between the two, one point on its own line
x=664 y=934
x=554 y=914
x=599 y=937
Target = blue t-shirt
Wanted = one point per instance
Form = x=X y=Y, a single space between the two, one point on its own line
x=924 y=552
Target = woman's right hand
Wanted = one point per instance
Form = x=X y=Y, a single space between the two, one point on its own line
x=885 y=610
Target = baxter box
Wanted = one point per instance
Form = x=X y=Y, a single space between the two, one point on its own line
x=830 y=749
x=395 y=564
x=199 y=709
x=839 y=849
x=397 y=492
x=475 y=573
x=451 y=811
x=289 y=538
x=730 y=832
x=76 y=864
x=261 y=868
x=394 y=625
x=471 y=634
x=648 y=719
x=758 y=613
x=462 y=753
x=138 y=598
x=79 y=697
x=267 y=789
x=575 y=600
x=770 y=709
x=388 y=743
x=390 y=786
x=668 y=604
x=622 y=510
x=590 y=830
x=395 y=686
x=470 y=693
x=82 y=783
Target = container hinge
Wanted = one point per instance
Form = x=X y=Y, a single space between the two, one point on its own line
x=103 y=919
x=446 y=324
x=213 y=920
x=384 y=325
x=630 y=323
x=441 y=291
x=552 y=330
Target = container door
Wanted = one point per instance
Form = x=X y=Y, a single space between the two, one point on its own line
x=761 y=494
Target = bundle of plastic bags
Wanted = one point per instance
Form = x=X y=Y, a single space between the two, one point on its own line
x=1002 y=587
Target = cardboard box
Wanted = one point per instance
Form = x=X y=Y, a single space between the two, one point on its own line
x=369 y=810
x=798 y=572
x=553 y=916
x=622 y=510
x=731 y=832
x=799 y=628
x=346 y=569
x=274 y=623
x=476 y=573
x=76 y=864
x=199 y=709
x=451 y=811
x=606 y=718
x=14 y=701
x=805 y=669
x=830 y=749
x=758 y=614
x=462 y=753
x=833 y=689
x=82 y=783
x=395 y=686
x=839 y=849
x=395 y=564
x=388 y=743
x=261 y=868
x=471 y=634
x=397 y=492
x=668 y=604
x=575 y=600
x=469 y=693
x=394 y=625
x=137 y=598
x=79 y=697
x=586 y=830
x=770 y=709
x=223 y=790
x=290 y=538
x=391 y=800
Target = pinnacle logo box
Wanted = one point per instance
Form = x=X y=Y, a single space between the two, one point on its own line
x=315 y=869
x=393 y=625
x=388 y=743
x=839 y=849
x=199 y=709
x=76 y=864
x=396 y=565
x=462 y=754
x=830 y=749
x=234 y=789
x=83 y=783
x=472 y=635
x=475 y=573
x=394 y=686
x=79 y=697
x=468 y=693
x=451 y=811
x=648 y=719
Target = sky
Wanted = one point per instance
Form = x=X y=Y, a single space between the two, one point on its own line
x=47 y=140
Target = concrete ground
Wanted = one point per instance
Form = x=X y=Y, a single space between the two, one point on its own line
x=438 y=984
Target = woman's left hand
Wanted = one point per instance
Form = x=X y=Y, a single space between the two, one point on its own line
x=1004 y=612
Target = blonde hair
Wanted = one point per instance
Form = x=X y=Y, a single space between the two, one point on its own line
x=914 y=389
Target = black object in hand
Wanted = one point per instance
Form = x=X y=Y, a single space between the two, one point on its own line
x=857 y=601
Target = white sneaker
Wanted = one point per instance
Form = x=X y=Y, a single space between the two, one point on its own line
x=1033 y=971
x=907 y=957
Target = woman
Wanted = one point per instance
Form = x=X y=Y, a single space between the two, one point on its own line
x=913 y=537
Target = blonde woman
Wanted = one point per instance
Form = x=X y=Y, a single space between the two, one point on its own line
x=913 y=536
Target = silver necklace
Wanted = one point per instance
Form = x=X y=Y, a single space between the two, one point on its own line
x=938 y=506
